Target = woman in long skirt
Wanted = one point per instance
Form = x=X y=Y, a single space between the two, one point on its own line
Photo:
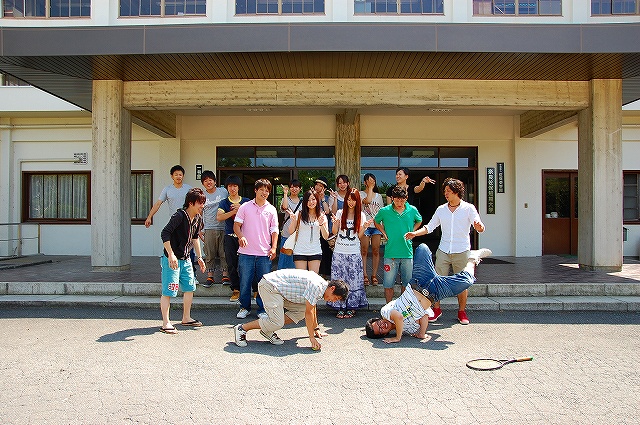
x=346 y=265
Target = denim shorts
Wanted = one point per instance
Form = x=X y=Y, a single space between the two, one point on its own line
x=370 y=231
x=181 y=278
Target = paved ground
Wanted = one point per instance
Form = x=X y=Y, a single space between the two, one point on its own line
x=509 y=270
x=103 y=366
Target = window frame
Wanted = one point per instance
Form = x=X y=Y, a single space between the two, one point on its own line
x=163 y=10
x=398 y=8
x=141 y=219
x=611 y=11
x=26 y=198
x=482 y=4
x=637 y=196
x=280 y=9
x=47 y=10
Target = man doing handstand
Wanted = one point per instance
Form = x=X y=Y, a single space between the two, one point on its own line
x=408 y=314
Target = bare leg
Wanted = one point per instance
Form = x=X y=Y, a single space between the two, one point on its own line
x=388 y=294
x=375 y=254
x=164 y=309
x=187 y=300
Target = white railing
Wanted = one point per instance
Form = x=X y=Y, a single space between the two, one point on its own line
x=17 y=239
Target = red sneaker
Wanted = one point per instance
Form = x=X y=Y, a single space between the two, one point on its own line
x=462 y=318
x=437 y=312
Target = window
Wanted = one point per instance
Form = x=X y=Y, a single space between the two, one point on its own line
x=615 y=7
x=398 y=6
x=141 y=195
x=9 y=81
x=517 y=7
x=47 y=8
x=59 y=197
x=162 y=7
x=279 y=7
x=631 y=196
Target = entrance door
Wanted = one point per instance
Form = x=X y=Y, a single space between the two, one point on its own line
x=560 y=213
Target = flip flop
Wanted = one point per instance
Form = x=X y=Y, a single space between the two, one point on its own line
x=170 y=331
x=340 y=314
x=194 y=323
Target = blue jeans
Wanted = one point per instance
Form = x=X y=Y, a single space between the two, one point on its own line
x=391 y=266
x=439 y=287
x=251 y=268
x=285 y=261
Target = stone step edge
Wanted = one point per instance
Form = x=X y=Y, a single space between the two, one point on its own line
x=564 y=303
x=477 y=290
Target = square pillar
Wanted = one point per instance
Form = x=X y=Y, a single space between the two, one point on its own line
x=600 y=178
x=110 y=178
x=348 y=146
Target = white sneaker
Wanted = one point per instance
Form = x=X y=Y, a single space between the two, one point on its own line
x=263 y=315
x=240 y=336
x=243 y=313
x=477 y=255
x=274 y=339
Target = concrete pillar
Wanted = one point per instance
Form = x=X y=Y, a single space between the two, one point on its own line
x=600 y=178
x=110 y=178
x=8 y=232
x=348 y=146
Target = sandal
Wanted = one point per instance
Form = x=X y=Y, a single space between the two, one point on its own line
x=374 y=280
x=340 y=314
x=349 y=314
x=366 y=281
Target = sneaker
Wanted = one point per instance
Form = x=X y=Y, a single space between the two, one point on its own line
x=255 y=295
x=243 y=313
x=235 y=296
x=263 y=315
x=226 y=280
x=437 y=312
x=462 y=318
x=273 y=338
x=478 y=254
x=240 y=335
x=208 y=283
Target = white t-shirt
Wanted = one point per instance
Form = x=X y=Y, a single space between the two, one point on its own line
x=410 y=308
x=347 y=241
x=370 y=210
x=308 y=242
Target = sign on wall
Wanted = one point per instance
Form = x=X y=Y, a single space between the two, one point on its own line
x=491 y=190
x=500 y=176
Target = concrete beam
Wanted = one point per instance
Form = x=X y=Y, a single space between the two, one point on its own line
x=534 y=123
x=161 y=123
x=354 y=93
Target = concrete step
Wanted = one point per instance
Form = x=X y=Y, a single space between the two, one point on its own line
x=449 y=305
x=217 y=290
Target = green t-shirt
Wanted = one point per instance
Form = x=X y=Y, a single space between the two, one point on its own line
x=396 y=225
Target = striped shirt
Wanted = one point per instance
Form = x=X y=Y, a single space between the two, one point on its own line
x=298 y=286
x=410 y=308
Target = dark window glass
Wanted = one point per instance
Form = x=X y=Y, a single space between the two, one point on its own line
x=457 y=157
x=280 y=157
x=374 y=156
x=57 y=197
x=316 y=157
x=236 y=157
x=423 y=157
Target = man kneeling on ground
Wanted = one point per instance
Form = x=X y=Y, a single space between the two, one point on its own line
x=288 y=295
x=409 y=313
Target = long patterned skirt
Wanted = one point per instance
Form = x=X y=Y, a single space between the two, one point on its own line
x=348 y=267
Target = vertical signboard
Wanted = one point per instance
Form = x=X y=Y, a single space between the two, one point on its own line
x=500 y=176
x=491 y=190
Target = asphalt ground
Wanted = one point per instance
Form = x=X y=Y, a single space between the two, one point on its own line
x=112 y=366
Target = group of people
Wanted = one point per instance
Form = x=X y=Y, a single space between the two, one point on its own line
x=243 y=234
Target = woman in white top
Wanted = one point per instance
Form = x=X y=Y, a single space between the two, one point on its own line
x=311 y=224
x=346 y=265
x=371 y=204
x=290 y=201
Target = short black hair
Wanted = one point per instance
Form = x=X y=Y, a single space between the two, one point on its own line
x=295 y=183
x=176 y=168
x=404 y=170
x=340 y=288
x=233 y=180
x=208 y=174
x=195 y=194
x=399 y=192
x=368 y=328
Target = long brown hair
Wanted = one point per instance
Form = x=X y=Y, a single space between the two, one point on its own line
x=357 y=210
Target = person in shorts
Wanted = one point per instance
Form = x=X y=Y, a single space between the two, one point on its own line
x=179 y=236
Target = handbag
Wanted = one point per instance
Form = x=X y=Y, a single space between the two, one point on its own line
x=290 y=243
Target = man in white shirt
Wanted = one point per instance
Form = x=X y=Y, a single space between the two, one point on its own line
x=455 y=219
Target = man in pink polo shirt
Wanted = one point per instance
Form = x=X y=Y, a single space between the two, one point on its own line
x=256 y=225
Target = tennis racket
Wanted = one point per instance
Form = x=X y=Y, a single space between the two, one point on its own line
x=493 y=364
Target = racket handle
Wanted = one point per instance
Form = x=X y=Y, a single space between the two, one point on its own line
x=524 y=359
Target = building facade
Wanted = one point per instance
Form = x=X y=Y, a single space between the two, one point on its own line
x=519 y=100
